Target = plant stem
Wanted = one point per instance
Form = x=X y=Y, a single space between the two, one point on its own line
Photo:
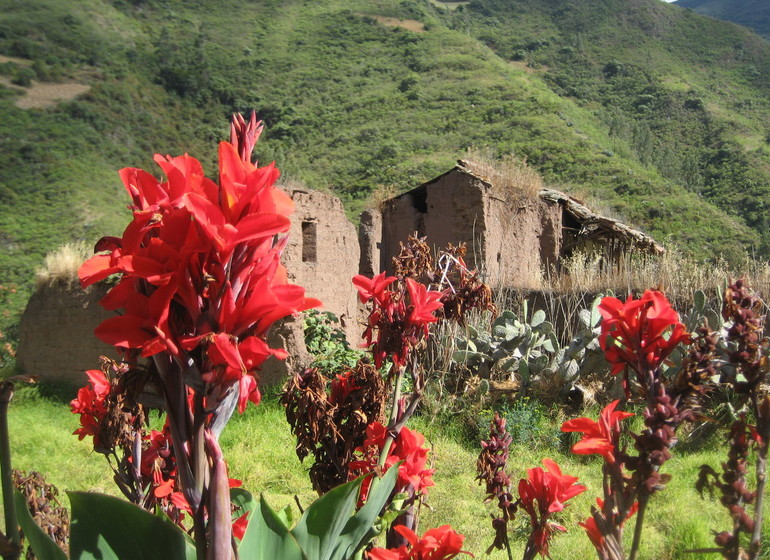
x=756 y=535
x=391 y=437
x=508 y=547
x=9 y=503
x=530 y=551
x=643 y=499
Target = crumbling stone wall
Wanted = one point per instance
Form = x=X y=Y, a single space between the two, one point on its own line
x=522 y=238
x=56 y=339
x=509 y=237
x=322 y=255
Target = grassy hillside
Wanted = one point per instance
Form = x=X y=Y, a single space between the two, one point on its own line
x=754 y=14
x=654 y=113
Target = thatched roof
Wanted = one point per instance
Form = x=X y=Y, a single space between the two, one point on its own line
x=594 y=226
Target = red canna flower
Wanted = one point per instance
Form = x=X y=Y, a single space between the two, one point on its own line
x=399 y=316
x=598 y=437
x=413 y=476
x=592 y=527
x=442 y=543
x=424 y=303
x=240 y=525
x=639 y=333
x=542 y=493
x=593 y=532
x=373 y=288
x=200 y=266
x=341 y=386
x=90 y=404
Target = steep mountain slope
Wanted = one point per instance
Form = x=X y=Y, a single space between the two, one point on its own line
x=682 y=94
x=608 y=99
x=754 y=14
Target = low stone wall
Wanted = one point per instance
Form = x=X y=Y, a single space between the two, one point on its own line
x=56 y=341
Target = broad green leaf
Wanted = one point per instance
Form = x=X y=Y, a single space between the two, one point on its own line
x=40 y=543
x=242 y=500
x=268 y=538
x=286 y=515
x=105 y=528
x=359 y=530
x=324 y=521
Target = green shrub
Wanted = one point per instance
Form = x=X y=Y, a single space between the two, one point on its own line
x=24 y=77
x=326 y=341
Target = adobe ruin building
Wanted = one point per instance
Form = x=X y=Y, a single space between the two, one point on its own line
x=511 y=236
x=322 y=255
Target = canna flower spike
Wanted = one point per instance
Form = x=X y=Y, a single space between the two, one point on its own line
x=600 y=437
x=542 y=493
x=639 y=333
x=201 y=282
x=442 y=543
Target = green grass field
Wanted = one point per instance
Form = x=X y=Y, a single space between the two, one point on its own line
x=260 y=451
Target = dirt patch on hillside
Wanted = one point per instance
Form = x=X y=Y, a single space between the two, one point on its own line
x=410 y=24
x=19 y=61
x=41 y=95
x=451 y=6
x=522 y=65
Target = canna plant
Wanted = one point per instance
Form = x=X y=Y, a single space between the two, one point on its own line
x=199 y=284
x=543 y=493
x=355 y=422
x=636 y=336
x=402 y=310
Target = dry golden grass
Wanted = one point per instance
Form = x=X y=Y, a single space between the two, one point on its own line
x=380 y=195
x=673 y=272
x=41 y=95
x=583 y=277
x=510 y=174
x=61 y=265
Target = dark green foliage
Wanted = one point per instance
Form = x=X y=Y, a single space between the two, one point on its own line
x=529 y=423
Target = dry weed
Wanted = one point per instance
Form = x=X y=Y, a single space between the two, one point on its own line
x=510 y=174
x=61 y=265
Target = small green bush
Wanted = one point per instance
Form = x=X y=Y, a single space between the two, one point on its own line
x=326 y=341
x=24 y=77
